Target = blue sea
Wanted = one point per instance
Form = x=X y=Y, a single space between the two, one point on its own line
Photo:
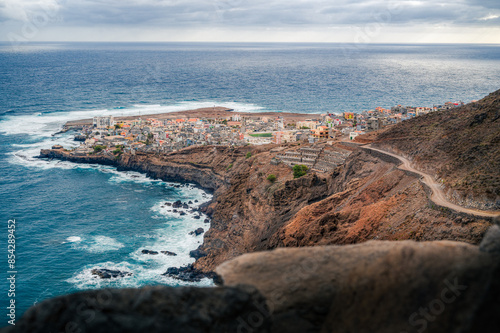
x=72 y=218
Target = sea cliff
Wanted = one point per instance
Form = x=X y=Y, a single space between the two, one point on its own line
x=367 y=198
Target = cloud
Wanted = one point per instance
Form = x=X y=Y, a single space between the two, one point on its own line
x=253 y=13
x=24 y=10
x=257 y=14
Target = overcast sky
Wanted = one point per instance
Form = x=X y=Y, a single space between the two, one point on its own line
x=351 y=21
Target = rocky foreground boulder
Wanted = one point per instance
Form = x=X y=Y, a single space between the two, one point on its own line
x=149 y=309
x=377 y=286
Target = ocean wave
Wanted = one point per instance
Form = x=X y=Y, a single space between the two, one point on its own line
x=132 y=176
x=84 y=279
x=98 y=244
x=141 y=275
x=72 y=239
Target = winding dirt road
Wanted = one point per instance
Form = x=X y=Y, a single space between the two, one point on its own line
x=437 y=196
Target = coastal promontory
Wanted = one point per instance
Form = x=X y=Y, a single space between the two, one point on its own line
x=359 y=245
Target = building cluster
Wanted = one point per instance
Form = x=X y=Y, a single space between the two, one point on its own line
x=114 y=136
x=373 y=120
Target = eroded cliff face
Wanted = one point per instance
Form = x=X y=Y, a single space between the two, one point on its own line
x=366 y=198
x=202 y=166
x=375 y=200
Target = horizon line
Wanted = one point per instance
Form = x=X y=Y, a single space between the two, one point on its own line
x=243 y=42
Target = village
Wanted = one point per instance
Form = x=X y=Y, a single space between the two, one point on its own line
x=107 y=135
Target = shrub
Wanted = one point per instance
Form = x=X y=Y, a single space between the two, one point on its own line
x=229 y=166
x=262 y=135
x=99 y=148
x=117 y=151
x=299 y=170
x=249 y=154
x=271 y=178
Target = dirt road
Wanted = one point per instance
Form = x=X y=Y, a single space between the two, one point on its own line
x=438 y=196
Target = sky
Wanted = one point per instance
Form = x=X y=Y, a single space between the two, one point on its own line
x=345 y=21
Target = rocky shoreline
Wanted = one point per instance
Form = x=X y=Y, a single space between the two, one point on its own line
x=367 y=198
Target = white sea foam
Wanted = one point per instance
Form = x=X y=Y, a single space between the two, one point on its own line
x=86 y=280
x=131 y=176
x=172 y=236
x=73 y=239
x=141 y=275
x=98 y=244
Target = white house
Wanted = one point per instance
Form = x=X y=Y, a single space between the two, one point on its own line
x=103 y=122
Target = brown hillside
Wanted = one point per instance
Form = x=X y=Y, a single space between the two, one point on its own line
x=461 y=147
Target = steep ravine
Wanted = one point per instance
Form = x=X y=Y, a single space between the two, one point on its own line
x=367 y=198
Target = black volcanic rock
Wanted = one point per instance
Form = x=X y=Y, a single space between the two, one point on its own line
x=197 y=232
x=188 y=273
x=104 y=273
x=168 y=253
x=197 y=217
x=198 y=253
x=149 y=252
x=177 y=204
x=150 y=309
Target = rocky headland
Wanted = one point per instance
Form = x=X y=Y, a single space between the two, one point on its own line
x=360 y=248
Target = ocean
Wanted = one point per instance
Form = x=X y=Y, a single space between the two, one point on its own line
x=73 y=218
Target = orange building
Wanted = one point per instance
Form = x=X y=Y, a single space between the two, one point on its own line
x=321 y=132
x=349 y=115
